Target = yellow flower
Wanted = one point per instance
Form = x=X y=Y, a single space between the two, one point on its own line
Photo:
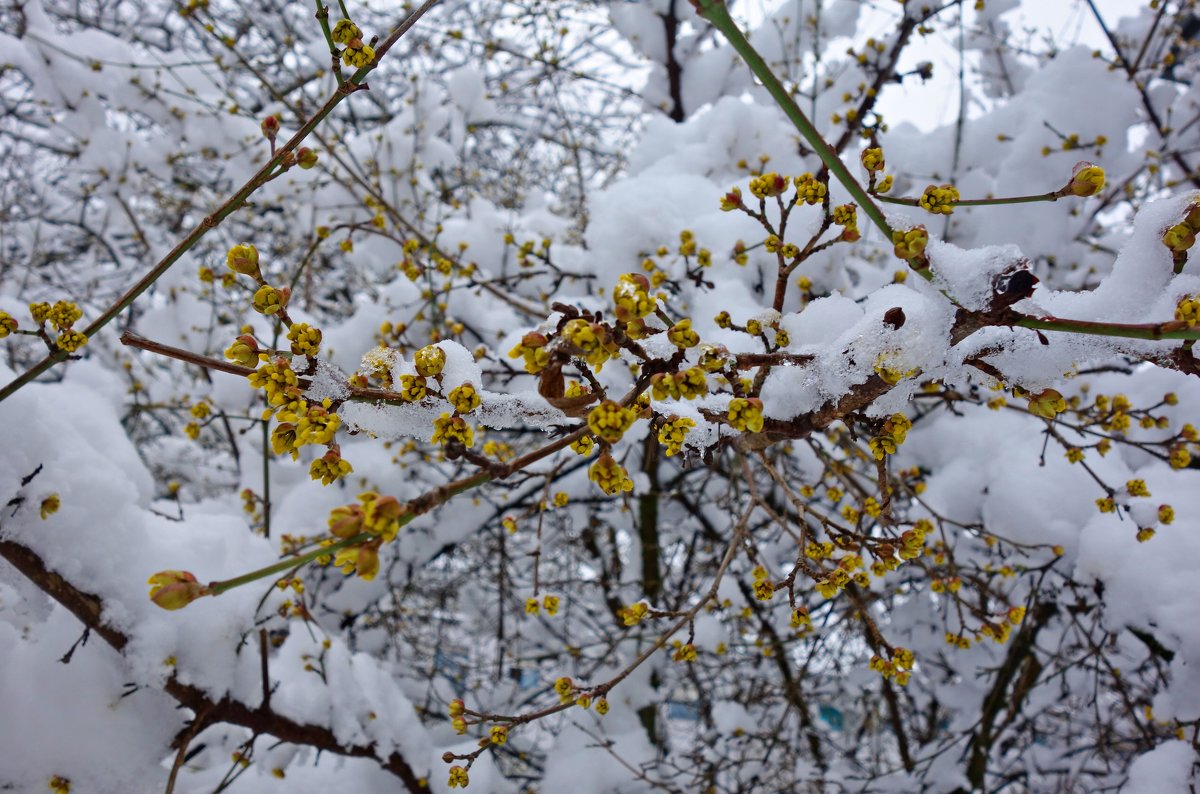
x=1047 y=404
x=682 y=336
x=731 y=200
x=939 y=199
x=673 y=432
x=464 y=398
x=71 y=341
x=329 y=468
x=602 y=706
x=243 y=259
x=8 y=324
x=268 y=300
x=63 y=314
x=769 y=184
x=458 y=777
x=911 y=243
x=609 y=421
x=429 y=361
x=1086 y=180
x=306 y=340
x=610 y=476
x=447 y=428
x=531 y=606
x=809 y=189
x=244 y=351
x=1137 y=488
x=499 y=734
x=550 y=604
x=632 y=298
x=565 y=688
x=363 y=560
x=49 y=506
x=358 y=57
x=872 y=159
x=745 y=414
x=345 y=31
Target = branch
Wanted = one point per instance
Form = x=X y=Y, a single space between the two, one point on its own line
x=89 y=609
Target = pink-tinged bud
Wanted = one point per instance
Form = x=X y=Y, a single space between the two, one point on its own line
x=175 y=589
x=306 y=157
x=270 y=127
x=346 y=521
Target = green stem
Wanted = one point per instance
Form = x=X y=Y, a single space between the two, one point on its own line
x=1150 y=331
x=983 y=202
x=216 y=588
x=716 y=13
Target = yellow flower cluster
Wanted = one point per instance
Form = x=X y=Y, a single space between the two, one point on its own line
x=346 y=31
x=673 y=432
x=767 y=185
x=634 y=613
x=939 y=199
x=429 y=361
x=684 y=652
x=632 y=298
x=8 y=324
x=898 y=668
x=892 y=435
x=800 y=619
x=910 y=243
x=532 y=349
x=464 y=398
x=872 y=159
x=682 y=335
x=330 y=467
x=764 y=588
x=374 y=514
x=243 y=259
x=809 y=189
x=745 y=414
x=688 y=384
x=277 y=379
x=447 y=428
x=1047 y=404
x=458 y=777
x=1188 y=310
x=609 y=420
x=610 y=476
x=306 y=340
x=412 y=388
x=565 y=689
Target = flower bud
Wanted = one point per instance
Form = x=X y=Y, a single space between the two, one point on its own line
x=244 y=351
x=243 y=259
x=270 y=127
x=306 y=157
x=1087 y=179
x=175 y=589
x=346 y=521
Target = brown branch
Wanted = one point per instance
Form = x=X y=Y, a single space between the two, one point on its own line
x=89 y=609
